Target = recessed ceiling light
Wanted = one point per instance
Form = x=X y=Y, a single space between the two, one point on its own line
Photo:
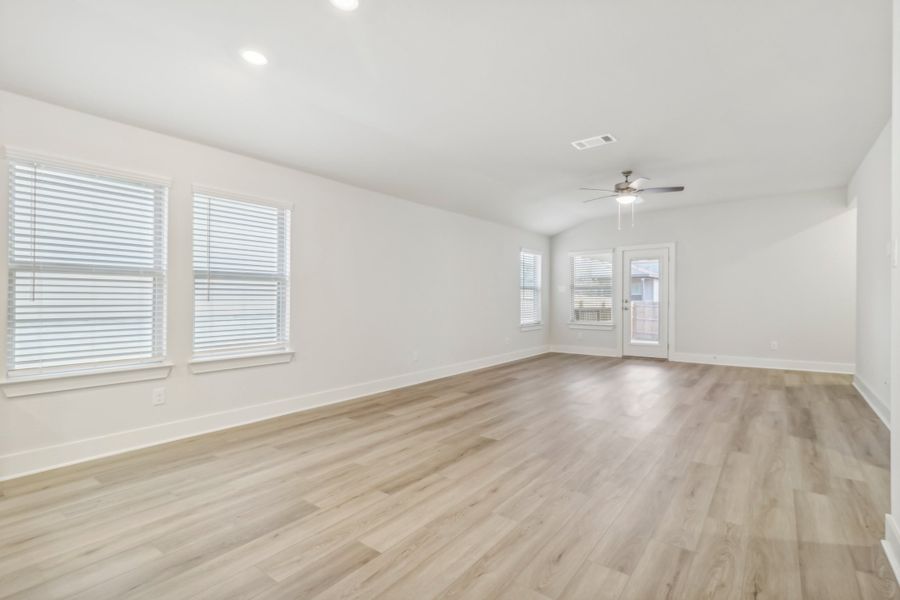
x=346 y=5
x=254 y=57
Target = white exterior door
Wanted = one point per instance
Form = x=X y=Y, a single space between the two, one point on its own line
x=645 y=302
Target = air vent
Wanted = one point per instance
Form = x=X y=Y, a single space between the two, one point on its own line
x=593 y=142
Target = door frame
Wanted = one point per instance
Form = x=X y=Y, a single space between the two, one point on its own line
x=619 y=255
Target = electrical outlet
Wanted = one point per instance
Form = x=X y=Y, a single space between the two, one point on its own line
x=415 y=356
x=773 y=345
x=159 y=396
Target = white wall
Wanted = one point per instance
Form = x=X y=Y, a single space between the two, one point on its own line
x=892 y=529
x=870 y=192
x=748 y=272
x=436 y=284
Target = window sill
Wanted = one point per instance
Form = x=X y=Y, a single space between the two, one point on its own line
x=600 y=327
x=531 y=327
x=213 y=364
x=16 y=387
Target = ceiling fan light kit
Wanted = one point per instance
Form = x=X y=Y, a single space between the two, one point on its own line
x=629 y=192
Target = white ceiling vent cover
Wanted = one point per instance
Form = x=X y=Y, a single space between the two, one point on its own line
x=593 y=142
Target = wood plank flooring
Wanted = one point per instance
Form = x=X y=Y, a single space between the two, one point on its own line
x=558 y=477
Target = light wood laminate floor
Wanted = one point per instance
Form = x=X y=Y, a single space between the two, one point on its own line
x=555 y=477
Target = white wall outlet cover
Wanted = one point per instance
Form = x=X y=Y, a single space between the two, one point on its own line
x=159 y=396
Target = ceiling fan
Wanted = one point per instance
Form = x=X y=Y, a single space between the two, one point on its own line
x=628 y=192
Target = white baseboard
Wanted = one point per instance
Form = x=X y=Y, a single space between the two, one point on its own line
x=51 y=457
x=719 y=359
x=891 y=544
x=763 y=363
x=878 y=405
x=586 y=350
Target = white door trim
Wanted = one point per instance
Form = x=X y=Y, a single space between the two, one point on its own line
x=617 y=292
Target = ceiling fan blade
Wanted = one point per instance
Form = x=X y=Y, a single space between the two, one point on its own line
x=662 y=190
x=597 y=189
x=637 y=183
x=601 y=197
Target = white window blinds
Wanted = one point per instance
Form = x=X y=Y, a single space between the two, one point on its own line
x=241 y=276
x=592 y=288
x=529 y=288
x=86 y=269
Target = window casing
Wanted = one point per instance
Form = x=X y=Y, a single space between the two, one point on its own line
x=529 y=288
x=241 y=256
x=86 y=269
x=591 y=275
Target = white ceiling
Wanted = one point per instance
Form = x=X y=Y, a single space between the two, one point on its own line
x=471 y=105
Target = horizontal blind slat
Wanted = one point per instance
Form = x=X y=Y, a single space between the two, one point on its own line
x=591 y=288
x=241 y=275
x=529 y=288
x=86 y=269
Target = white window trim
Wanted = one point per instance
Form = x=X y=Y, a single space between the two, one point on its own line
x=15 y=153
x=60 y=382
x=240 y=361
x=595 y=326
x=157 y=367
x=215 y=360
x=205 y=190
x=540 y=322
x=601 y=326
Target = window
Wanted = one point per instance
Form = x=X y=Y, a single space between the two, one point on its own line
x=241 y=276
x=86 y=269
x=530 y=288
x=592 y=288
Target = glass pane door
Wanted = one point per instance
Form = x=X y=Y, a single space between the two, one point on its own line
x=644 y=301
x=645 y=297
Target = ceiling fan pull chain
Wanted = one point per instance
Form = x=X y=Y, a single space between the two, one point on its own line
x=619 y=227
x=632 y=215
